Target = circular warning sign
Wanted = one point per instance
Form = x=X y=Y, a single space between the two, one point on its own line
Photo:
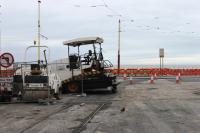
x=6 y=60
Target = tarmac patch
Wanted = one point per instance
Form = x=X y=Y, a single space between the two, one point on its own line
x=152 y=88
x=196 y=92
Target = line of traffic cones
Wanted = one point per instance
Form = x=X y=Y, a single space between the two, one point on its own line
x=152 y=79
x=130 y=79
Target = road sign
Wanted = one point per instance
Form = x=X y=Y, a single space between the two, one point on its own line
x=6 y=60
x=6 y=80
x=161 y=52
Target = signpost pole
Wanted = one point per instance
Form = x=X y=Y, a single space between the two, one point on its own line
x=160 y=67
x=161 y=55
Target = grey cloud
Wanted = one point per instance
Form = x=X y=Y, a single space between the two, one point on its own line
x=61 y=20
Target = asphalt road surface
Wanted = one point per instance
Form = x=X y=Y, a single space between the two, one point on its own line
x=141 y=107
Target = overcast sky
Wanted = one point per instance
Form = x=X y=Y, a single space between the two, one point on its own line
x=169 y=24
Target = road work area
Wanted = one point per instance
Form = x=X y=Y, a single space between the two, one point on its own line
x=141 y=107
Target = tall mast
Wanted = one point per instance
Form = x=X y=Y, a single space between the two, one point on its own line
x=0 y=50
x=119 y=37
x=0 y=42
x=0 y=34
x=39 y=1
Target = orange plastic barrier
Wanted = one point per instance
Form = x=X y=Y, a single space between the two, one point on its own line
x=157 y=71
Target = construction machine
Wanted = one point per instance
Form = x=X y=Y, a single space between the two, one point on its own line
x=33 y=81
x=87 y=69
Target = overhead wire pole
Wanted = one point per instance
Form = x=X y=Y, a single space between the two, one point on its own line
x=119 y=40
x=119 y=29
x=39 y=2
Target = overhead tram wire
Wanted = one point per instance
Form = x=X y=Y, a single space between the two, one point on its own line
x=119 y=15
x=112 y=10
x=114 y=13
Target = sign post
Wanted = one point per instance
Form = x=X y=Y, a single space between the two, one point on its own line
x=161 y=55
x=6 y=76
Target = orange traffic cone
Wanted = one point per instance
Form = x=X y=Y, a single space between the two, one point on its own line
x=179 y=75
x=152 y=80
x=130 y=80
x=125 y=76
x=155 y=76
x=177 y=79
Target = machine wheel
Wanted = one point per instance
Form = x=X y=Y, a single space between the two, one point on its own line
x=72 y=87
x=114 y=90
